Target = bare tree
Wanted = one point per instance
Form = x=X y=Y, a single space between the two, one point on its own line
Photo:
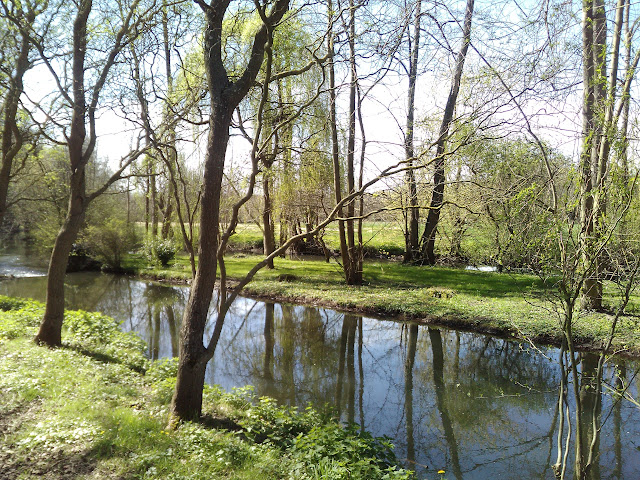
x=428 y=238
x=80 y=139
x=225 y=96
x=411 y=235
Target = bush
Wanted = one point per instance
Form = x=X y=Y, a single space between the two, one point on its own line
x=162 y=251
x=337 y=452
x=10 y=303
x=100 y=334
x=111 y=241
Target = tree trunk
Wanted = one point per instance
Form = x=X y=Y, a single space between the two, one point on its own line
x=11 y=137
x=269 y=242
x=433 y=217
x=353 y=267
x=187 y=399
x=335 y=153
x=50 y=332
x=225 y=97
x=592 y=289
x=411 y=242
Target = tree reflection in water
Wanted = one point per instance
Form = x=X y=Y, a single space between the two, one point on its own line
x=477 y=406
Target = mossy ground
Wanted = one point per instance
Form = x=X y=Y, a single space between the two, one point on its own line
x=96 y=408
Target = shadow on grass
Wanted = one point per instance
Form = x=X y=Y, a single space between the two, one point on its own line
x=104 y=358
x=387 y=275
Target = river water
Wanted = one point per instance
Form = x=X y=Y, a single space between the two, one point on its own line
x=476 y=406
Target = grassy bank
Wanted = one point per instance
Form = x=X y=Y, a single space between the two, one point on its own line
x=515 y=305
x=98 y=409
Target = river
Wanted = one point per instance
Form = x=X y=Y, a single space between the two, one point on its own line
x=476 y=406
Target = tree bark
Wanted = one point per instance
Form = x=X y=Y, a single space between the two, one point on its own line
x=269 y=242
x=335 y=152
x=411 y=243
x=353 y=269
x=12 y=140
x=433 y=217
x=224 y=97
x=50 y=332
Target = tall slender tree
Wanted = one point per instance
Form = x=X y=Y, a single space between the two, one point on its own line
x=605 y=99
x=16 y=62
x=439 y=178
x=84 y=99
x=411 y=234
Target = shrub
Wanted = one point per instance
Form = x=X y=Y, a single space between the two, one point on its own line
x=10 y=303
x=111 y=241
x=162 y=251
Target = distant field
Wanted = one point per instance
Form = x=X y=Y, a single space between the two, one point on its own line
x=385 y=237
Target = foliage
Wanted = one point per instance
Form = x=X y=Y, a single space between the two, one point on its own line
x=267 y=421
x=112 y=420
x=162 y=251
x=336 y=452
x=102 y=335
x=11 y=303
x=95 y=333
x=110 y=241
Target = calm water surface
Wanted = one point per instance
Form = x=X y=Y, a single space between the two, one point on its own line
x=476 y=406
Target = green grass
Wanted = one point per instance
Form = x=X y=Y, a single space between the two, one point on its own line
x=87 y=411
x=517 y=305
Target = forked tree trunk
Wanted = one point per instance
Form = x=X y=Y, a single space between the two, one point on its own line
x=225 y=97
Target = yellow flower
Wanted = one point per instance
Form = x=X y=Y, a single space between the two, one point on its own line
x=441 y=472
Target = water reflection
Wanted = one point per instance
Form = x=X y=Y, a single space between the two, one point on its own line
x=476 y=406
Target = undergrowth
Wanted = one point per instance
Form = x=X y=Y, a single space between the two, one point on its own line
x=87 y=410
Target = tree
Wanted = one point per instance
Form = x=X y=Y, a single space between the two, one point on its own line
x=411 y=235
x=335 y=146
x=225 y=95
x=80 y=140
x=428 y=238
x=16 y=48
x=604 y=100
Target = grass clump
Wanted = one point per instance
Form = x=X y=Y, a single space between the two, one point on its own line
x=86 y=410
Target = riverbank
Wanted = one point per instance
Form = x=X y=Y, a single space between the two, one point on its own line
x=506 y=304
x=97 y=408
